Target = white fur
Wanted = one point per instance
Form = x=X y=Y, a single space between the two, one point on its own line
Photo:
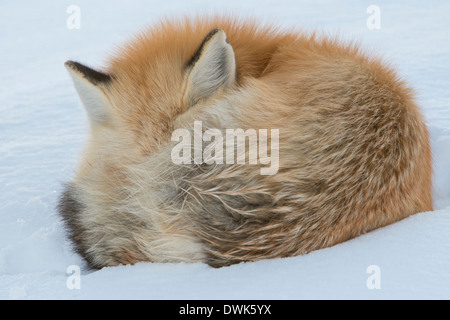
x=93 y=97
x=207 y=76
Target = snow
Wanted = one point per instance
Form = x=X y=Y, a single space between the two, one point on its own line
x=43 y=128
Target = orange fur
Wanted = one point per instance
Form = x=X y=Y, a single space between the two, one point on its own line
x=354 y=151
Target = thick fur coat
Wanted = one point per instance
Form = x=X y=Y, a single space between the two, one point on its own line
x=354 y=152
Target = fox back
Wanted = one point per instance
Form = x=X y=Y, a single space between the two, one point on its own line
x=352 y=151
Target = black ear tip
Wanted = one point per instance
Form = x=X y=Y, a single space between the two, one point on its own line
x=90 y=74
x=212 y=33
x=71 y=64
x=197 y=54
x=75 y=66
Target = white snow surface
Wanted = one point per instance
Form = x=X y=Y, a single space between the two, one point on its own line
x=43 y=128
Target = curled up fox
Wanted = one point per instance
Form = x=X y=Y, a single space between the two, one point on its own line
x=164 y=177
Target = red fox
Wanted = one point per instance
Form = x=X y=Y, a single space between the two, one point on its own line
x=350 y=151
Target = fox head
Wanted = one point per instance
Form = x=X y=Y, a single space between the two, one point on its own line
x=133 y=105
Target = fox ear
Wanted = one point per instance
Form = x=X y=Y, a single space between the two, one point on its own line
x=90 y=85
x=211 y=68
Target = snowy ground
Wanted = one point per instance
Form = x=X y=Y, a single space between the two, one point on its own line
x=43 y=127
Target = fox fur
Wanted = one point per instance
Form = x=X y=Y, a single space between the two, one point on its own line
x=354 y=151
